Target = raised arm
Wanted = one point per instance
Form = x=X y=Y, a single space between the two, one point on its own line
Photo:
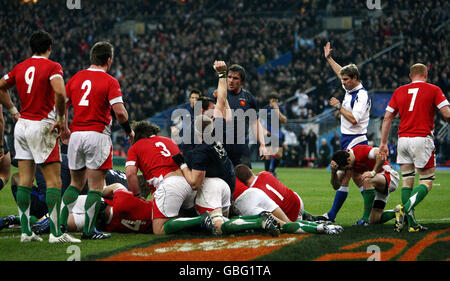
x=221 y=106
x=334 y=65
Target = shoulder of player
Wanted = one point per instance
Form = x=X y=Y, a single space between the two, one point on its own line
x=419 y=84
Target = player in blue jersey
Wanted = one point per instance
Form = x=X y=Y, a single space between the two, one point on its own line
x=243 y=103
x=354 y=114
x=181 y=125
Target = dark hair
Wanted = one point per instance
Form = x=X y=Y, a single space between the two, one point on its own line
x=243 y=173
x=340 y=157
x=143 y=186
x=40 y=42
x=101 y=52
x=144 y=129
x=203 y=125
x=195 y=91
x=205 y=101
x=239 y=69
x=274 y=95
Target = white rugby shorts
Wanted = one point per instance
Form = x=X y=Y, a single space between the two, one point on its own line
x=392 y=178
x=34 y=141
x=252 y=202
x=214 y=193
x=89 y=149
x=173 y=193
x=417 y=150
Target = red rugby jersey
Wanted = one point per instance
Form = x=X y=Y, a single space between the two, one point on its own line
x=362 y=161
x=32 y=79
x=92 y=92
x=153 y=156
x=416 y=103
x=130 y=213
x=285 y=198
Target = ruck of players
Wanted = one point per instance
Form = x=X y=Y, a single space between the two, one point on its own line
x=201 y=178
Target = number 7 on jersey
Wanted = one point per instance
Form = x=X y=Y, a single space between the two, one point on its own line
x=414 y=92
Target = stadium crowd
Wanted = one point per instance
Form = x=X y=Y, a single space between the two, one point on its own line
x=156 y=69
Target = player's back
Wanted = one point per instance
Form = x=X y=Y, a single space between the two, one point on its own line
x=153 y=156
x=276 y=190
x=285 y=198
x=32 y=79
x=130 y=213
x=92 y=92
x=416 y=104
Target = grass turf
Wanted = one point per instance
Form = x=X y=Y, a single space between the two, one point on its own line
x=314 y=188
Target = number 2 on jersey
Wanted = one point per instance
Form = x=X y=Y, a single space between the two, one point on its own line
x=414 y=92
x=86 y=84
x=165 y=152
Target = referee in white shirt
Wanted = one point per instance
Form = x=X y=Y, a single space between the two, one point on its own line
x=354 y=113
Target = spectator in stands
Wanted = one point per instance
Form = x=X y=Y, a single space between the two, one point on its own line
x=324 y=154
x=151 y=82
x=311 y=139
x=290 y=147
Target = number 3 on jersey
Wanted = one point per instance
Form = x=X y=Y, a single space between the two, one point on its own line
x=86 y=85
x=414 y=92
x=165 y=152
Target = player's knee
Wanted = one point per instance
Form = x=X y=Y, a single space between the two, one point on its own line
x=427 y=180
x=368 y=183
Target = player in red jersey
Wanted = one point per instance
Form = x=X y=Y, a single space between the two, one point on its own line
x=40 y=86
x=263 y=192
x=122 y=212
x=92 y=93
x=152 y=154
x=416 y=103
x=378 y=177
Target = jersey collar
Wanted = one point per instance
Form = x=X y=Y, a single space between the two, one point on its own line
x=95 y=69
x=355 y=90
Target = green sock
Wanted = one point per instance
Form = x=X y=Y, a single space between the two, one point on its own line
x=91 y=207
x=33 y=220
x=68 y=200
x=417 y=195
x=299 y=227
x=178 y=224
x=406 y=193
x=53 y=200
x=246 y=217
x=241 y=224
x=387 y=216
x=23 y=197
x=368 y=196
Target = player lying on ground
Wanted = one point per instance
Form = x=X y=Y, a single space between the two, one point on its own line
x=264 y=192
x=128 y=210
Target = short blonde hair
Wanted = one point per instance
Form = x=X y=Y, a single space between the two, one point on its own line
x=351 y=70
x=418 y=69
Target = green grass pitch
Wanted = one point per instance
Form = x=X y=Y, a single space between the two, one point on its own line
x=317 y=195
